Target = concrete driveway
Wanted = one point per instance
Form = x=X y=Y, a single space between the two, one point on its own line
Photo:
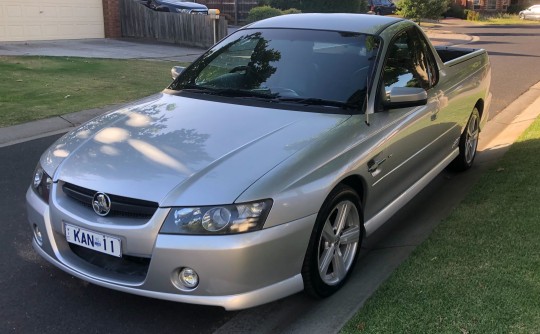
x=125 y=48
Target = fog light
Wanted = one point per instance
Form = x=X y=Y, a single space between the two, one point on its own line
x=38 y=236
x=189 y=278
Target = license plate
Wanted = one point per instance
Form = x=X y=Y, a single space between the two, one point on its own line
x=93 y=240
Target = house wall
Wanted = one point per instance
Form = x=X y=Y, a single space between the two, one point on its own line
x=488 y=5
x=111 y=18
x=24 y=20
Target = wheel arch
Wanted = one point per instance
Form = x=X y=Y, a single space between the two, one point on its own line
x=357 y=183
x=480 y=106
x=315 y=284
x=483 y=109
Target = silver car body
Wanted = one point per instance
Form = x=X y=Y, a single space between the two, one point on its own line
x=179 y=151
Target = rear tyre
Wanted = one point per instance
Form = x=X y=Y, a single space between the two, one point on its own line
x=334 y=243
x=468 y=144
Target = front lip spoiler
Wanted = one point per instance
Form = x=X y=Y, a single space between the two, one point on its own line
x=230 y=303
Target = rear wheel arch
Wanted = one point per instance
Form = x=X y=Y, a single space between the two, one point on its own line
x=468 y=143
x=480 y=107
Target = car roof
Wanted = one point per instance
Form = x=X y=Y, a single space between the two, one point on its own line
x=360 y=23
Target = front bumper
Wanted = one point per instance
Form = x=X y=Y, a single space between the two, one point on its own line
x=235 y=271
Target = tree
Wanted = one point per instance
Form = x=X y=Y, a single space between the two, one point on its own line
x=422 y=9
x=320 y=6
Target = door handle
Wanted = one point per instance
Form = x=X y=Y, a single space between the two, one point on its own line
x=373 y=165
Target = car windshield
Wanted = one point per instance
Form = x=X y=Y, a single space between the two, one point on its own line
x=311 y=67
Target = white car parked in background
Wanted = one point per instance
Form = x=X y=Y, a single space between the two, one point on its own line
x=531 y=13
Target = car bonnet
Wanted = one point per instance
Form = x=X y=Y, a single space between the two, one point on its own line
x=183 y=151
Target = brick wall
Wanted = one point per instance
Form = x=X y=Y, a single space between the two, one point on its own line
x=111 y=18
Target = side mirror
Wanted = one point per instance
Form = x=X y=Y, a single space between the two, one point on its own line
x=176 y=70
x=404 y=97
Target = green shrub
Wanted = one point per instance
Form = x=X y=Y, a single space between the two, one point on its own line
x=514 y=9
x=262 y=12
x=472 y=15
x=362 y=6
x=285 y=4
x=419 y=10
x=291 y=11
x=501 y=15
x=321 y=6
x=456 y=11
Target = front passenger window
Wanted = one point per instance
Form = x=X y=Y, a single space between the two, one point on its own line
x=407 y=64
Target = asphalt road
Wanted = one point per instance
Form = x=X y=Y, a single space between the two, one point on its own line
x=515 y=58
x=38 y=298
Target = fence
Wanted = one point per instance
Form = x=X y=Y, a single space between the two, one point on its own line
x=235 y=10
x=186 y=29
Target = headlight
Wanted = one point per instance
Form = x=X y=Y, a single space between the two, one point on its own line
x=42 y=183
x=183 y=10
x=223 y=219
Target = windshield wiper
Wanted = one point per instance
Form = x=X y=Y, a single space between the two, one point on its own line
x=269 y=97
x=318 y=102
x=230 y=92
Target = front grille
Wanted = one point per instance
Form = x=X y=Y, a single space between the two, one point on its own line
x=120 y=206
x=125 y=265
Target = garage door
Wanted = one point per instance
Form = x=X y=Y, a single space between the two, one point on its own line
x=24 y=20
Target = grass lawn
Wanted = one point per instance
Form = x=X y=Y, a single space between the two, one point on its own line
x=505 y=20
x=34 y=87
x=479 y=272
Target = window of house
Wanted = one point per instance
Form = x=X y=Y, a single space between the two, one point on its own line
x=492 y=4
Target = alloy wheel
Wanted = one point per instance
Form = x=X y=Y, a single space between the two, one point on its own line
x=339 y=242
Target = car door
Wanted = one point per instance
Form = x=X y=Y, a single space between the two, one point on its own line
x=412 y=145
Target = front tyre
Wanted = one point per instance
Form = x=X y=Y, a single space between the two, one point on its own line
x=468 y=143
x=334 y=243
